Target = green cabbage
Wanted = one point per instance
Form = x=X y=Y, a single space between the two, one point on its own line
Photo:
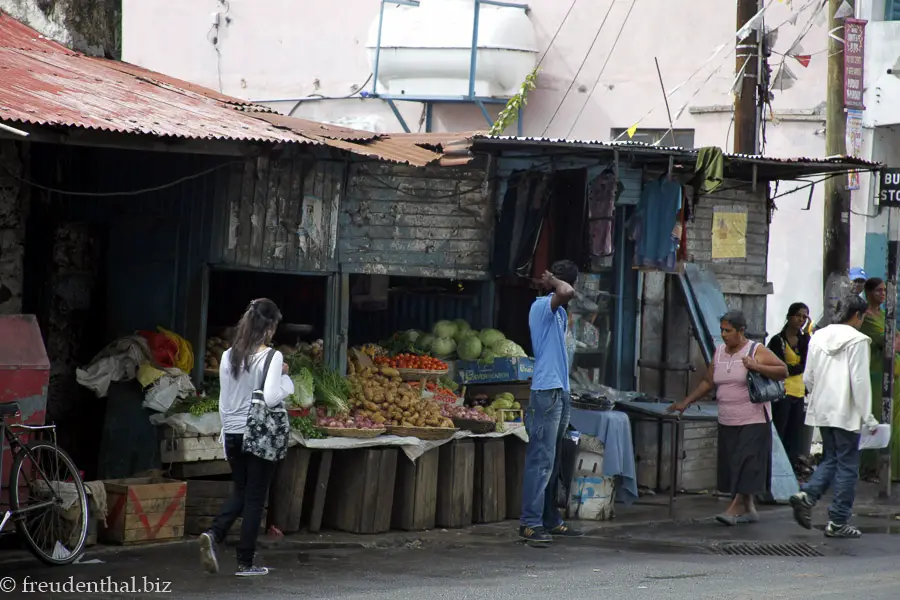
x=489 y=337
x=444 y=329
x=508 y=349
x=462 y=325
x=443 y=347
x=424 y=342
x=303 y=389
x=469 y=348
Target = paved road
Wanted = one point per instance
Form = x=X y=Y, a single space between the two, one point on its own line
x=490 y=571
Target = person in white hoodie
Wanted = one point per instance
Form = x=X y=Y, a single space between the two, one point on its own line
x=840 y=404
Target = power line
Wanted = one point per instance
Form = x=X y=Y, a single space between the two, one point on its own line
x=603 y=68
x=558 y=29
x=123 y=193
x=580 y=67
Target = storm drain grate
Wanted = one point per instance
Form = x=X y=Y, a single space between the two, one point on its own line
x=801 y=550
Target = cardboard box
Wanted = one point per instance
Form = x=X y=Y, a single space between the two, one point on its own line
x=502 y=370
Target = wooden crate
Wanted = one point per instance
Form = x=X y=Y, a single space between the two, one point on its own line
x=144 y=509
x=489 y=489
x=456 y=476
x=515 y=471
x=189 y=447
x=205 y=500
x=361 y=490
x=415 y=493
x=287 y=490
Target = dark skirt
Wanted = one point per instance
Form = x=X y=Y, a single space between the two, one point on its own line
x=744 y=458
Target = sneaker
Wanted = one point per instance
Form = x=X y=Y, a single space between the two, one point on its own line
x=563 y=530
x=833 y=530
x=802 y=506
x=208 y=552
x=535 y=535
x=250 y=571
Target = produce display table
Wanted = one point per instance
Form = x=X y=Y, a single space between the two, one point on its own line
x=489 y=500
x=456 y=478
x=415 y=494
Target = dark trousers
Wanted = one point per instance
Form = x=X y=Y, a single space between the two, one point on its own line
x=250 y=476
x=838 y=470
x=789 y=417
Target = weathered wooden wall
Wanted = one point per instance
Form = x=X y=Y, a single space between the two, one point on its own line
x=424 y=222
x=279 y=214
x=665 y=325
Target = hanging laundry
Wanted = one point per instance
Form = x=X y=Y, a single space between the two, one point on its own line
x=655 y=228
x=709 y=173
x=602 y=214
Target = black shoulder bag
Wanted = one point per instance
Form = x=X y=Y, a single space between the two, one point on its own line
x=762 y=389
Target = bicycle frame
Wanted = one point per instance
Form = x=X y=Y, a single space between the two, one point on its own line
x=16 y=446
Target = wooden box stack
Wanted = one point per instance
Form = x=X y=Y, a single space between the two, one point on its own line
x=515 y=470
x=415 y=496
x=288 y=490
x=490 y=481
x=361 y=490
x=189 y=447
x=205 y=499
x=144 y=509
x=456 y=474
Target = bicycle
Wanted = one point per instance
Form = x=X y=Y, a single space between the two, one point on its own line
x=48 y=506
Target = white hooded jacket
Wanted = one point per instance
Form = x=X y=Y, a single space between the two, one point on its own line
x=837 y=377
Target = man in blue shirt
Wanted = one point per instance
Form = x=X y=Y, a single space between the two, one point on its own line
x=547 y=416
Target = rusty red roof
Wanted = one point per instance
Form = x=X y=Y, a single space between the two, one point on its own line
x=44 y=83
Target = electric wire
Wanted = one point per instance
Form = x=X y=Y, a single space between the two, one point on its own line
x=138 y=192
x=602 y=69
x=558 y=29
x=580 y=67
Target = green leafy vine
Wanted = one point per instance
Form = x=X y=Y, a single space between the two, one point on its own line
x=510 y=112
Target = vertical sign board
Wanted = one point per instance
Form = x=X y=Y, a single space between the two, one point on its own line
x=854 y=143
x=889 y=196
x=854 y=53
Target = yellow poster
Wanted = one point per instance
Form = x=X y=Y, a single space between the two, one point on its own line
x=729 y=235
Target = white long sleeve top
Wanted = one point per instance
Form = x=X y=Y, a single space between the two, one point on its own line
x=235 y=394
x=837 y=376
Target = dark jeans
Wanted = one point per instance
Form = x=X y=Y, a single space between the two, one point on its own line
x=789 y=417
x=546 y=420
x=250 y=476
x=839 y=468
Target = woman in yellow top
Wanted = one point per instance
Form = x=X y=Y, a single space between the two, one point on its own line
x=789 y=413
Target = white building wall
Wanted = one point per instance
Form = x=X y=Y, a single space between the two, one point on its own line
x=282 y=51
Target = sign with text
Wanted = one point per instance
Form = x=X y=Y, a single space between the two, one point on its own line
x=889 y=194
x=854 y=54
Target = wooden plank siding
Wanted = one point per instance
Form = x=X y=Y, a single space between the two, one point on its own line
x=280 y=214
x=426 y=222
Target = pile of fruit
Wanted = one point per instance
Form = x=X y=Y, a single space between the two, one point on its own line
x=379 y=394
x=504 y=401
x=215 y=348
x=411 y=361
x=464 y=412
x=451 y=339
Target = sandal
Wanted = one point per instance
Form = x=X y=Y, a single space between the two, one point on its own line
x=728 y=520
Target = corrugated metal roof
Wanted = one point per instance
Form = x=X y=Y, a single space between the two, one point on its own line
x=45 y=83
x=846 y=161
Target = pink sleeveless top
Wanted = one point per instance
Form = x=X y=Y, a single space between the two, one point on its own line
x=732 y=394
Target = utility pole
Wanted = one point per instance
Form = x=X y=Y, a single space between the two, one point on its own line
x=746 y=126
x=836 y=239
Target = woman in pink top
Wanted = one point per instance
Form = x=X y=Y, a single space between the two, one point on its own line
x=745 y=436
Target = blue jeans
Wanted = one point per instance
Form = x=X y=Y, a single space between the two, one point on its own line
x=839 y=468
x=546 y=421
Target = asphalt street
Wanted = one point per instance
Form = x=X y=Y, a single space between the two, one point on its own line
x=501 y=571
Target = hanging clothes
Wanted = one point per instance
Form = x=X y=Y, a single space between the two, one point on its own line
x=655 y=228
x=709 y=173
x=602 y=214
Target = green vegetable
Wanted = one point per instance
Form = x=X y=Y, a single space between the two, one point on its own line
x=448 y=383
x=203 y=406
x=410 y=336
x=424 y=343
x=445 y=329
x=331 y=390
x=462 y=325
x=443 y=347
x=469 y=348
x=306 y=427
x=304 y=388
x=489 y=337
x=508 y=349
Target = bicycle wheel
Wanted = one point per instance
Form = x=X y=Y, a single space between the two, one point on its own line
x=56 y=533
